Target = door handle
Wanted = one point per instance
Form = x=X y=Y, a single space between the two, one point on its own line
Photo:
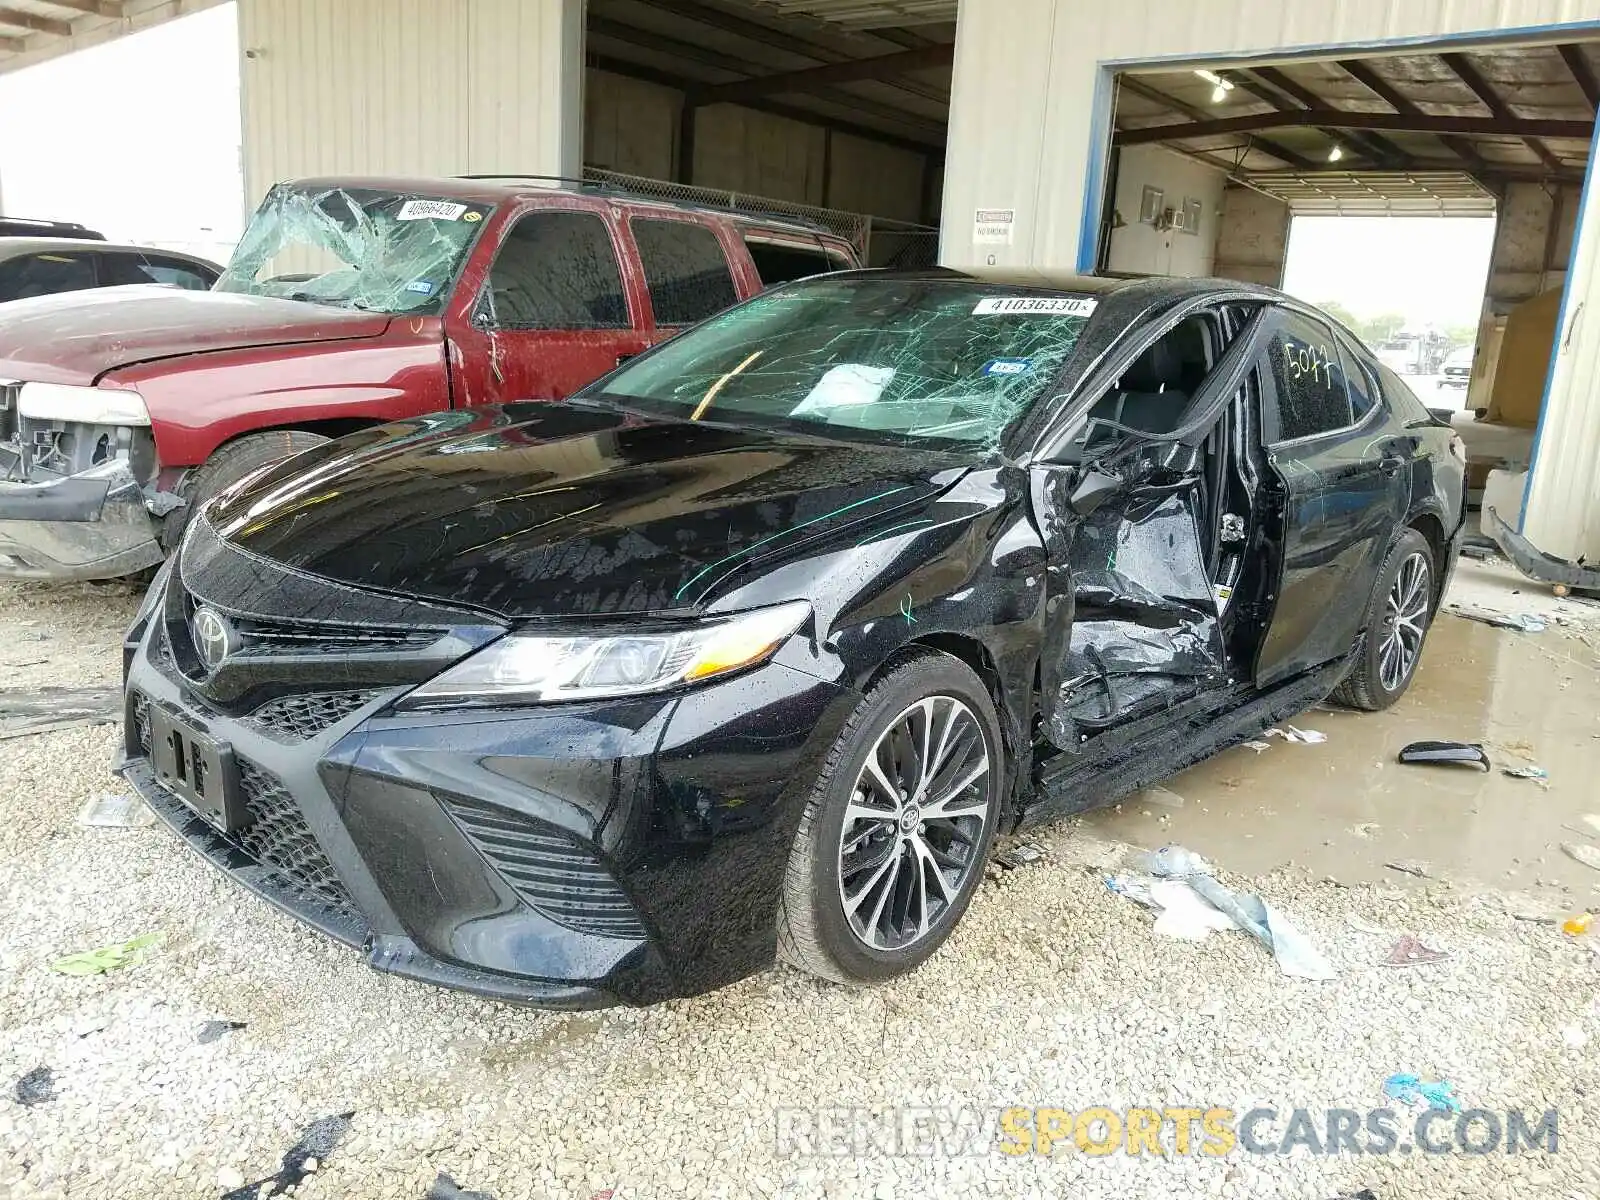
x=1390 y=464
x=622 y=358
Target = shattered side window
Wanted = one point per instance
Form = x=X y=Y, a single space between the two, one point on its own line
x=903 y=361
x=356 y=248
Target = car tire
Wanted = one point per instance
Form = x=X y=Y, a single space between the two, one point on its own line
x=877 y=862
x=1394 y=628
x=228 y=464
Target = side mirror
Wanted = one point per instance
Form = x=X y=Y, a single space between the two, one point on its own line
x=1093 y=490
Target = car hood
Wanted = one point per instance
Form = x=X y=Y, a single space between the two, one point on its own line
x=542 y=510
x=76 y=337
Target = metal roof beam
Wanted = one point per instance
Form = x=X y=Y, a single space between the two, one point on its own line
x=1582 y=73
x=1372 y=145
x=849 y=71
x=617 y=66
x=89 y=8
x=661 y=44
x=1465 y=71
x=1389 y=122
x=784 y=39
x=11 y=18
x=1267 y=145
x=1390 y=95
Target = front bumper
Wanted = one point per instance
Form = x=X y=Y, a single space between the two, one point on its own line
x=93 y=525
x=572 y=856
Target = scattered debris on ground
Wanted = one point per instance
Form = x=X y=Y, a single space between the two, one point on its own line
x=446 y=1188
x=1305 y=737
x=1589 y=856
x=1411 y=866
x=1411 y=951
x=1023 y=855
x=212 y=1031
x=1521 y=622
x=1413 y=1090
x=305 y=1157
x=25 y=713
x=1525 y=772
x=1469 y=754
x=38 y=1086
x=116 y=810
x=106 y=958
x=1181 y=886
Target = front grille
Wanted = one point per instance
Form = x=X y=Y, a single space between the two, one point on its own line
x=276 y=834
x=279 y=837
x=549 y=872
x=299 y=717
x=263 y=637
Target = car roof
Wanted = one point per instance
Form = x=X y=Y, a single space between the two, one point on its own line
x=498 y=189
x=1046 y=282
x=15 y=247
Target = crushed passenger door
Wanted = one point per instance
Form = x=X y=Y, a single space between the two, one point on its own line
x=1132 y=622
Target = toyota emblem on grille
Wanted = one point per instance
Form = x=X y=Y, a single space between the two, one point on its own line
x=214 y=638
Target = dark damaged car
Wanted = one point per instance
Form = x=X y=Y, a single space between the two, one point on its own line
x=754 y=646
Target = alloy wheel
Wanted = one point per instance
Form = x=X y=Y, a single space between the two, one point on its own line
x=915 y=821
x=1405 y=620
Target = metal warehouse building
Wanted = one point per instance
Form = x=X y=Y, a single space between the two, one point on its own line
x=1030 y=133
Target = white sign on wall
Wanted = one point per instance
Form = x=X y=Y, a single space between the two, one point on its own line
x=994 y=226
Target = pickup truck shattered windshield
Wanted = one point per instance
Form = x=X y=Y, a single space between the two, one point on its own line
x=355 y=247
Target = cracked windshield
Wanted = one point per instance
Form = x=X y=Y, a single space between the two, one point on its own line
x=896 y=361
x=359 y=248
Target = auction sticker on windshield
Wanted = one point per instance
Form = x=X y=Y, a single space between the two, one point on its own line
x=1054 y=306
x=430 y=210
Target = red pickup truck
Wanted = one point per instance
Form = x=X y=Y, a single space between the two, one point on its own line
x=348 y=303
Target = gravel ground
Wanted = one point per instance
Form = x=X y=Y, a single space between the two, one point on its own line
x=1053 y=992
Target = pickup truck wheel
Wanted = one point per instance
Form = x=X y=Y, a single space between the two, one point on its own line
x=230 y=463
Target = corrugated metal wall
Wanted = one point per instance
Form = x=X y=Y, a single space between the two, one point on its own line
x=1031 y=105
x=1562 y=516
x=432 y=87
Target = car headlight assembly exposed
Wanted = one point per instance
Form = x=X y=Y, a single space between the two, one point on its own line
x=89 y=405
x=545 y=668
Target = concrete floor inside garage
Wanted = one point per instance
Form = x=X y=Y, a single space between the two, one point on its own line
x=1053 y=991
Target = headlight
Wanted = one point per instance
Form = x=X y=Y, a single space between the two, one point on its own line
x=538 y=668
x=90 y=405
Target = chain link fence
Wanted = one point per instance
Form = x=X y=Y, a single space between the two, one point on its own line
x=878 y=242
x=853 y=227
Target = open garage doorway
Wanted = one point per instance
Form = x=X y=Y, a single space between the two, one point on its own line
x=1421 y=312
x=836 y=120
x=1241 y=170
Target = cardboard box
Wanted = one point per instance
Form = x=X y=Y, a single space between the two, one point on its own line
x=1524 y=361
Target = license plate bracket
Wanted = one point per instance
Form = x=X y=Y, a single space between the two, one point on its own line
x=197 y=769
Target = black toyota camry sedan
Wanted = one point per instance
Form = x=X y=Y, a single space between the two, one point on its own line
x=754 y=646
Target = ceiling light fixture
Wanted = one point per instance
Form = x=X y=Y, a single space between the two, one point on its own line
x=1220 y=87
